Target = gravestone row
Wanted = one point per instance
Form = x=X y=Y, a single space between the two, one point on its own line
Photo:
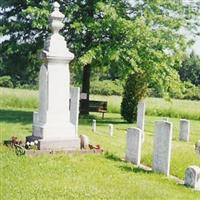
x=161 y=151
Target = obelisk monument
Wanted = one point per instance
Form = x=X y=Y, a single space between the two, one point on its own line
x=52 y=122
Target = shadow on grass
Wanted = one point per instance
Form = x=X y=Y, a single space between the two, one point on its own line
x=112 y=121
x=124 y=167
x=134 y=169
x=88 y=119
x=16 y=116
x=111 y=156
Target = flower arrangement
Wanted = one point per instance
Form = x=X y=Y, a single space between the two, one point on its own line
x=32 y=145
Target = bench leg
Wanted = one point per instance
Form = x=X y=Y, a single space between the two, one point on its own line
x=102 y=115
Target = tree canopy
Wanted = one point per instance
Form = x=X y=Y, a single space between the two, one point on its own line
x=111 y=36
x=190 y=69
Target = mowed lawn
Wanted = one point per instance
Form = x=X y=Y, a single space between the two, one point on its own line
x=82 y=176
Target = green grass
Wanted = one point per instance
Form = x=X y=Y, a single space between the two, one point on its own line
x=90 y=176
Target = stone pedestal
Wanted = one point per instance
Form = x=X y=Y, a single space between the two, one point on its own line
x=52 y=122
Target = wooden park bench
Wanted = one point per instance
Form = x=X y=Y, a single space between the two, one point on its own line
x=96 y=106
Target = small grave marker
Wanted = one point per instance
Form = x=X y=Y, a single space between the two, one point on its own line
x=134 y=140
x=162 y=147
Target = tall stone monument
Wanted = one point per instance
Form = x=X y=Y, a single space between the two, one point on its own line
x=52 y=122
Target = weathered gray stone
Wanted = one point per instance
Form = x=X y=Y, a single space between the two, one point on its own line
x=84 y=141
x=60 y=145
x=134 y=140
x=141 y=117
x=197 y=147
x=192 y=177
x=162 y=147
x=110 y=129
x=184 y=133
x=74 y=106
x=94 y=125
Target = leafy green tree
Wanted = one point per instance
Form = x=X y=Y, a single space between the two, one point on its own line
x=134 y=91
x=159 y=47
x=190 y=69
x=89 y=32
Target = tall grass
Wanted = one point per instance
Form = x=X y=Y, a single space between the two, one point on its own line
x=159 y=107
x=174 y=108
x=18 y=98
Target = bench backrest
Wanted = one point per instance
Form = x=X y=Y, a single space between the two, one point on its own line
x=97 y=106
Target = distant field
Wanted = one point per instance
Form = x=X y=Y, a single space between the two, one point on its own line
x=159 y=107
x=18 y=98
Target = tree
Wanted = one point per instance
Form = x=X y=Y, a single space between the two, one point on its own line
x=87 y=31
x=190 y=69
x=24 y=25
x=159 y=49
x=134 y=91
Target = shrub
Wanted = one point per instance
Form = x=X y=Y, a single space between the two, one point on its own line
x=106 y=87
x=187 y=91
x=134 y=90
x=191 y=92
x=5 y=81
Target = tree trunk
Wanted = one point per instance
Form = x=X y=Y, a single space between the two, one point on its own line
x=86 y=89
x=84 y=105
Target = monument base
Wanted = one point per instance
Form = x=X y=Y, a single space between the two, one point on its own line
x=70 y=144
x=59 y=145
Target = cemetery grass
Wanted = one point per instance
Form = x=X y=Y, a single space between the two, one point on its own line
x=81 y=176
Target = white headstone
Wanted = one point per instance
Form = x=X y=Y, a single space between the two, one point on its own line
x=74 y=106
x=192 y=177
x=184 y=133
x=165 y=119
x=134 y=140
x=141 y=117
x=94 y=125
x=53 y=125
x=162 y=147
x=110 y=129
